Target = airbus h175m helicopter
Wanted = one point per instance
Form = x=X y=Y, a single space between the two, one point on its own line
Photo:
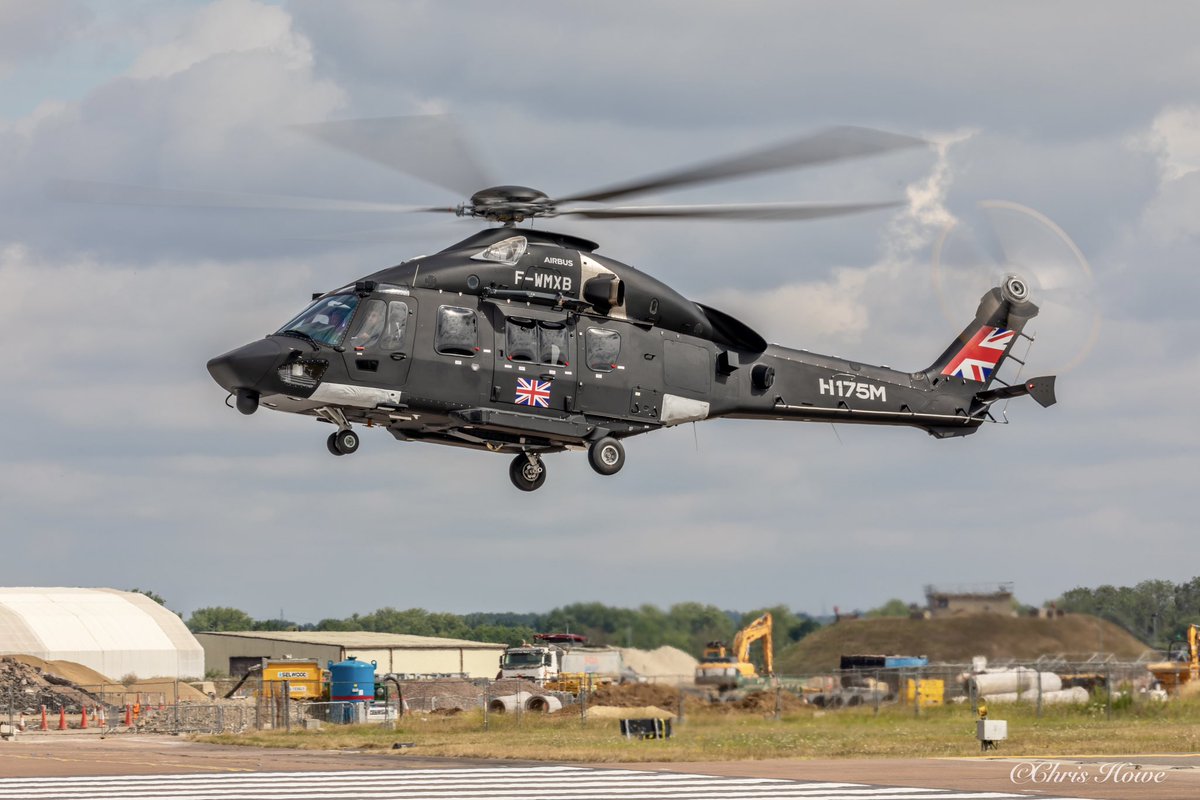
x=528 y=342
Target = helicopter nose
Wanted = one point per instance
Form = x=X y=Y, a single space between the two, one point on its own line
x=243 y=368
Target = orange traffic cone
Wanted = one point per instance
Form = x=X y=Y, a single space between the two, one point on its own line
x=62 y=718
x=128 y=714
x=83 y=719
x=44 y=726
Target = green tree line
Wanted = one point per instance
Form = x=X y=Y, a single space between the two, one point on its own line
x=687 y=626
x=1155 y=611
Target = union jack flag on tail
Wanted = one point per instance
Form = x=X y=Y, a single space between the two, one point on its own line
x=978 y=357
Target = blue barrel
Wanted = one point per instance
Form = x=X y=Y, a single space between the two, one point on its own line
x=351 y=680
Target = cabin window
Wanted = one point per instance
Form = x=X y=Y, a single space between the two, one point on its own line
x=457 y=332
x=370 y=325
x=553 y=344
x=397 y=322
x=603 y=349
x=536 y=341
x=521 y=337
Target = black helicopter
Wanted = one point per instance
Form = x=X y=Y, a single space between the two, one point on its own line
x=528 y=342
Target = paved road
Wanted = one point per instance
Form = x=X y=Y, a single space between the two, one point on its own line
x=136 y=768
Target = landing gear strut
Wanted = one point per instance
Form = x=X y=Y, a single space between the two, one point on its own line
x=606 y=456
x=344 y=440
x=527 y=472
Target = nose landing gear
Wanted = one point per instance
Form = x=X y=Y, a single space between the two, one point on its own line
x=344 y=440
x=527 y=472
x=342 y=443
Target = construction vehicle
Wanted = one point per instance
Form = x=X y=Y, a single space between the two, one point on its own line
x=1181 y=671
x=730 y=668
x=563 y=662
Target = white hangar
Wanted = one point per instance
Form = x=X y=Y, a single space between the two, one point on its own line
x=115 y=633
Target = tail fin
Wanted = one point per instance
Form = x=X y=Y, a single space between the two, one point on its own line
x=973 y=359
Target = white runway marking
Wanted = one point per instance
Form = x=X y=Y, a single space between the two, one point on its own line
x=502 y=783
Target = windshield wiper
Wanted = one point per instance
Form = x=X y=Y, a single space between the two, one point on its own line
x=299 y=334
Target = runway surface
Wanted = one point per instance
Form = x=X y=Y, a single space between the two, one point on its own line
x=559 y=782
x=139 y=767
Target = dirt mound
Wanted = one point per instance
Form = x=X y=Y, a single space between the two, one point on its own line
x=632 y=695
x=98 y=687
x=513 y=686
x=764 y=702
x=441 y=695
x=955 y=640
x=662 y=664
x=75 y=673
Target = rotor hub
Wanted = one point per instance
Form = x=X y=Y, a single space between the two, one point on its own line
x=508 y=204
x=1015 y=289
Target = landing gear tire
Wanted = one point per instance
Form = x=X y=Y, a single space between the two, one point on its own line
x=527 y=474
x=342 y=443
x=607 y=456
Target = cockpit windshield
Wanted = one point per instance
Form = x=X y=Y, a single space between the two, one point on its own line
x=325 y=321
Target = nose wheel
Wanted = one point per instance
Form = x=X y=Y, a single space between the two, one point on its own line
x=342 y=443
x=527 y=472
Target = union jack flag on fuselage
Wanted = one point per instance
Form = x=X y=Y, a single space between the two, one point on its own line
x=978 y=358
x=532 y=392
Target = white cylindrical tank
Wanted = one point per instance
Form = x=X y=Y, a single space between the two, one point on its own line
x=1076 y=694
x=1015 y=680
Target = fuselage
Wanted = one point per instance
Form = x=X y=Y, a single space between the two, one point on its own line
x=520 y=341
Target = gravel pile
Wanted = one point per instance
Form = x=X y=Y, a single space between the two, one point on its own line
x=30 y=688
x=661 y=665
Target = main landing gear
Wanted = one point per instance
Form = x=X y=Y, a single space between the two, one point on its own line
x=528 y=472
x=606 y=456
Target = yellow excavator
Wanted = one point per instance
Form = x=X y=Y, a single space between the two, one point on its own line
x=1180 y=673
x=729 y=668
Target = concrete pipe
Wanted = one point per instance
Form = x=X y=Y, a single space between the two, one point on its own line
x=508 y=703
x=543 y=704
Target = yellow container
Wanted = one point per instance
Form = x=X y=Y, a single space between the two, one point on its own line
x=303 y=676
x=933 y=691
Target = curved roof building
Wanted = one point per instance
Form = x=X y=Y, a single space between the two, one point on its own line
x=115 y=633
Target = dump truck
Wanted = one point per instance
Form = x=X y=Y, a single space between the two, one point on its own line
x=563 y=662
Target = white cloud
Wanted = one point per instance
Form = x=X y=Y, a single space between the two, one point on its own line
x=223 y=28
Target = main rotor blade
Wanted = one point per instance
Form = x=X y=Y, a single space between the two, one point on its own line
x=73 y=191
x=754 y=211
x=431 y=148
x=834 y=144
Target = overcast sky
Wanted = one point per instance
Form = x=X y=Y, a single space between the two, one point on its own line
x=121 y=466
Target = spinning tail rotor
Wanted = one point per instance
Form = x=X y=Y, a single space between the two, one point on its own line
x=1031 y=258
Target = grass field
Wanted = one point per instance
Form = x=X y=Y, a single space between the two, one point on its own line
x=712 y=735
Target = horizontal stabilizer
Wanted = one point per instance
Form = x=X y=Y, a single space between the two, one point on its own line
x=1040 y=389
